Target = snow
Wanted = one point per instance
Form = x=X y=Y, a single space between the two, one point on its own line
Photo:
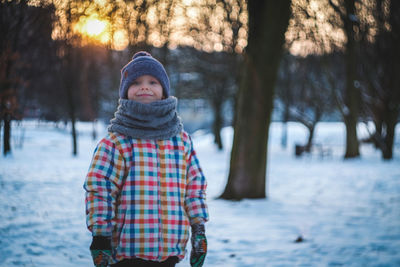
x=346 y=211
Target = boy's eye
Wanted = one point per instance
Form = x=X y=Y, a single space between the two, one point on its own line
x=153 y=82
x=135 y=82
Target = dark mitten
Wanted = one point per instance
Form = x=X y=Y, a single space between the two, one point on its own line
x=101 y=250
x=199 y=245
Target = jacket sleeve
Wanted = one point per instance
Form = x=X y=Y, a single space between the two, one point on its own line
x=195 y=202
x=102 y=186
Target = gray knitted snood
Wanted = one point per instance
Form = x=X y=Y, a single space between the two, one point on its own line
x=157 y=120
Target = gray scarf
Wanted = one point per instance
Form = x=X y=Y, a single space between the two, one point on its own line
x=157 y=120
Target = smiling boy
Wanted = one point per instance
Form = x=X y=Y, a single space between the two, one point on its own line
x=145 y=188
x=145 y=89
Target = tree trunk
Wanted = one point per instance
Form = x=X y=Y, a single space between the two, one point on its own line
x=94 y=129
x=393 y=106
x=268 y=22
x=352 y=94
x=284 y=126
x=284 y=134
x=218 y=122
x=352 y=150
x=6 y=134
x=71 y=109
x=70 y=86
x=217 y=127
x=311 y=131
x=378 y=132
x=390 y=122
x=74 y=136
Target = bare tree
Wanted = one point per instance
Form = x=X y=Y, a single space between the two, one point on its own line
x=352 y=90
x=328 y=26
x=20 y=24
x=163 y=27
x=135 y=19
x=311 y=96
x=268 y=21
x=69 y=68
x=219 y=85
x=219 y=26
x=379 y=69
x=285 y=89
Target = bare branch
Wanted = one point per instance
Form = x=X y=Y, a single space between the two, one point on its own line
x=337 y=10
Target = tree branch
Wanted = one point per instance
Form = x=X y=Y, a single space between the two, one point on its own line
x=337 y=10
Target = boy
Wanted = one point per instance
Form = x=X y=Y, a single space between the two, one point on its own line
x=144 y=187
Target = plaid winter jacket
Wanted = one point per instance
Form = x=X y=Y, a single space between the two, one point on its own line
x=145 y=194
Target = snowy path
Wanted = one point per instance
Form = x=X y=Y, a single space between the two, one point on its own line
x=348 y=212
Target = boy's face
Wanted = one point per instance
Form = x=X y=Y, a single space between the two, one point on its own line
x=145 y=89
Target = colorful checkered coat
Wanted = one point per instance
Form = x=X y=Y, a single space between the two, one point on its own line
x=145 y=194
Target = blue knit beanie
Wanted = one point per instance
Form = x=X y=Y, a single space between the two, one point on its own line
x=142 y=63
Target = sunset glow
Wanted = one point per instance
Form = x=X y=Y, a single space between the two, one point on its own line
x=94 y=28
x=117 y=32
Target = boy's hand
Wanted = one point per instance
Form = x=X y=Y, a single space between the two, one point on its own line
x=100 y=257
x=101 y=250
x=199 y=245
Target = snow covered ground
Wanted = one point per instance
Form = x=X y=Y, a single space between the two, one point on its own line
x=347 y=212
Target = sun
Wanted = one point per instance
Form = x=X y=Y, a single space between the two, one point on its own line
x=94 y=28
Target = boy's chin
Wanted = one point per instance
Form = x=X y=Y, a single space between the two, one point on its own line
x=146 y=100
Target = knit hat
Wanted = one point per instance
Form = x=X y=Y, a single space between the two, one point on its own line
x=142 y=63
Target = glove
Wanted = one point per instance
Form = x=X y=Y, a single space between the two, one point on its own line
x=199 y=245
x=101 y=250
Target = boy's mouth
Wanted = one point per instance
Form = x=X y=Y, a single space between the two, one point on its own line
x=144 y=95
